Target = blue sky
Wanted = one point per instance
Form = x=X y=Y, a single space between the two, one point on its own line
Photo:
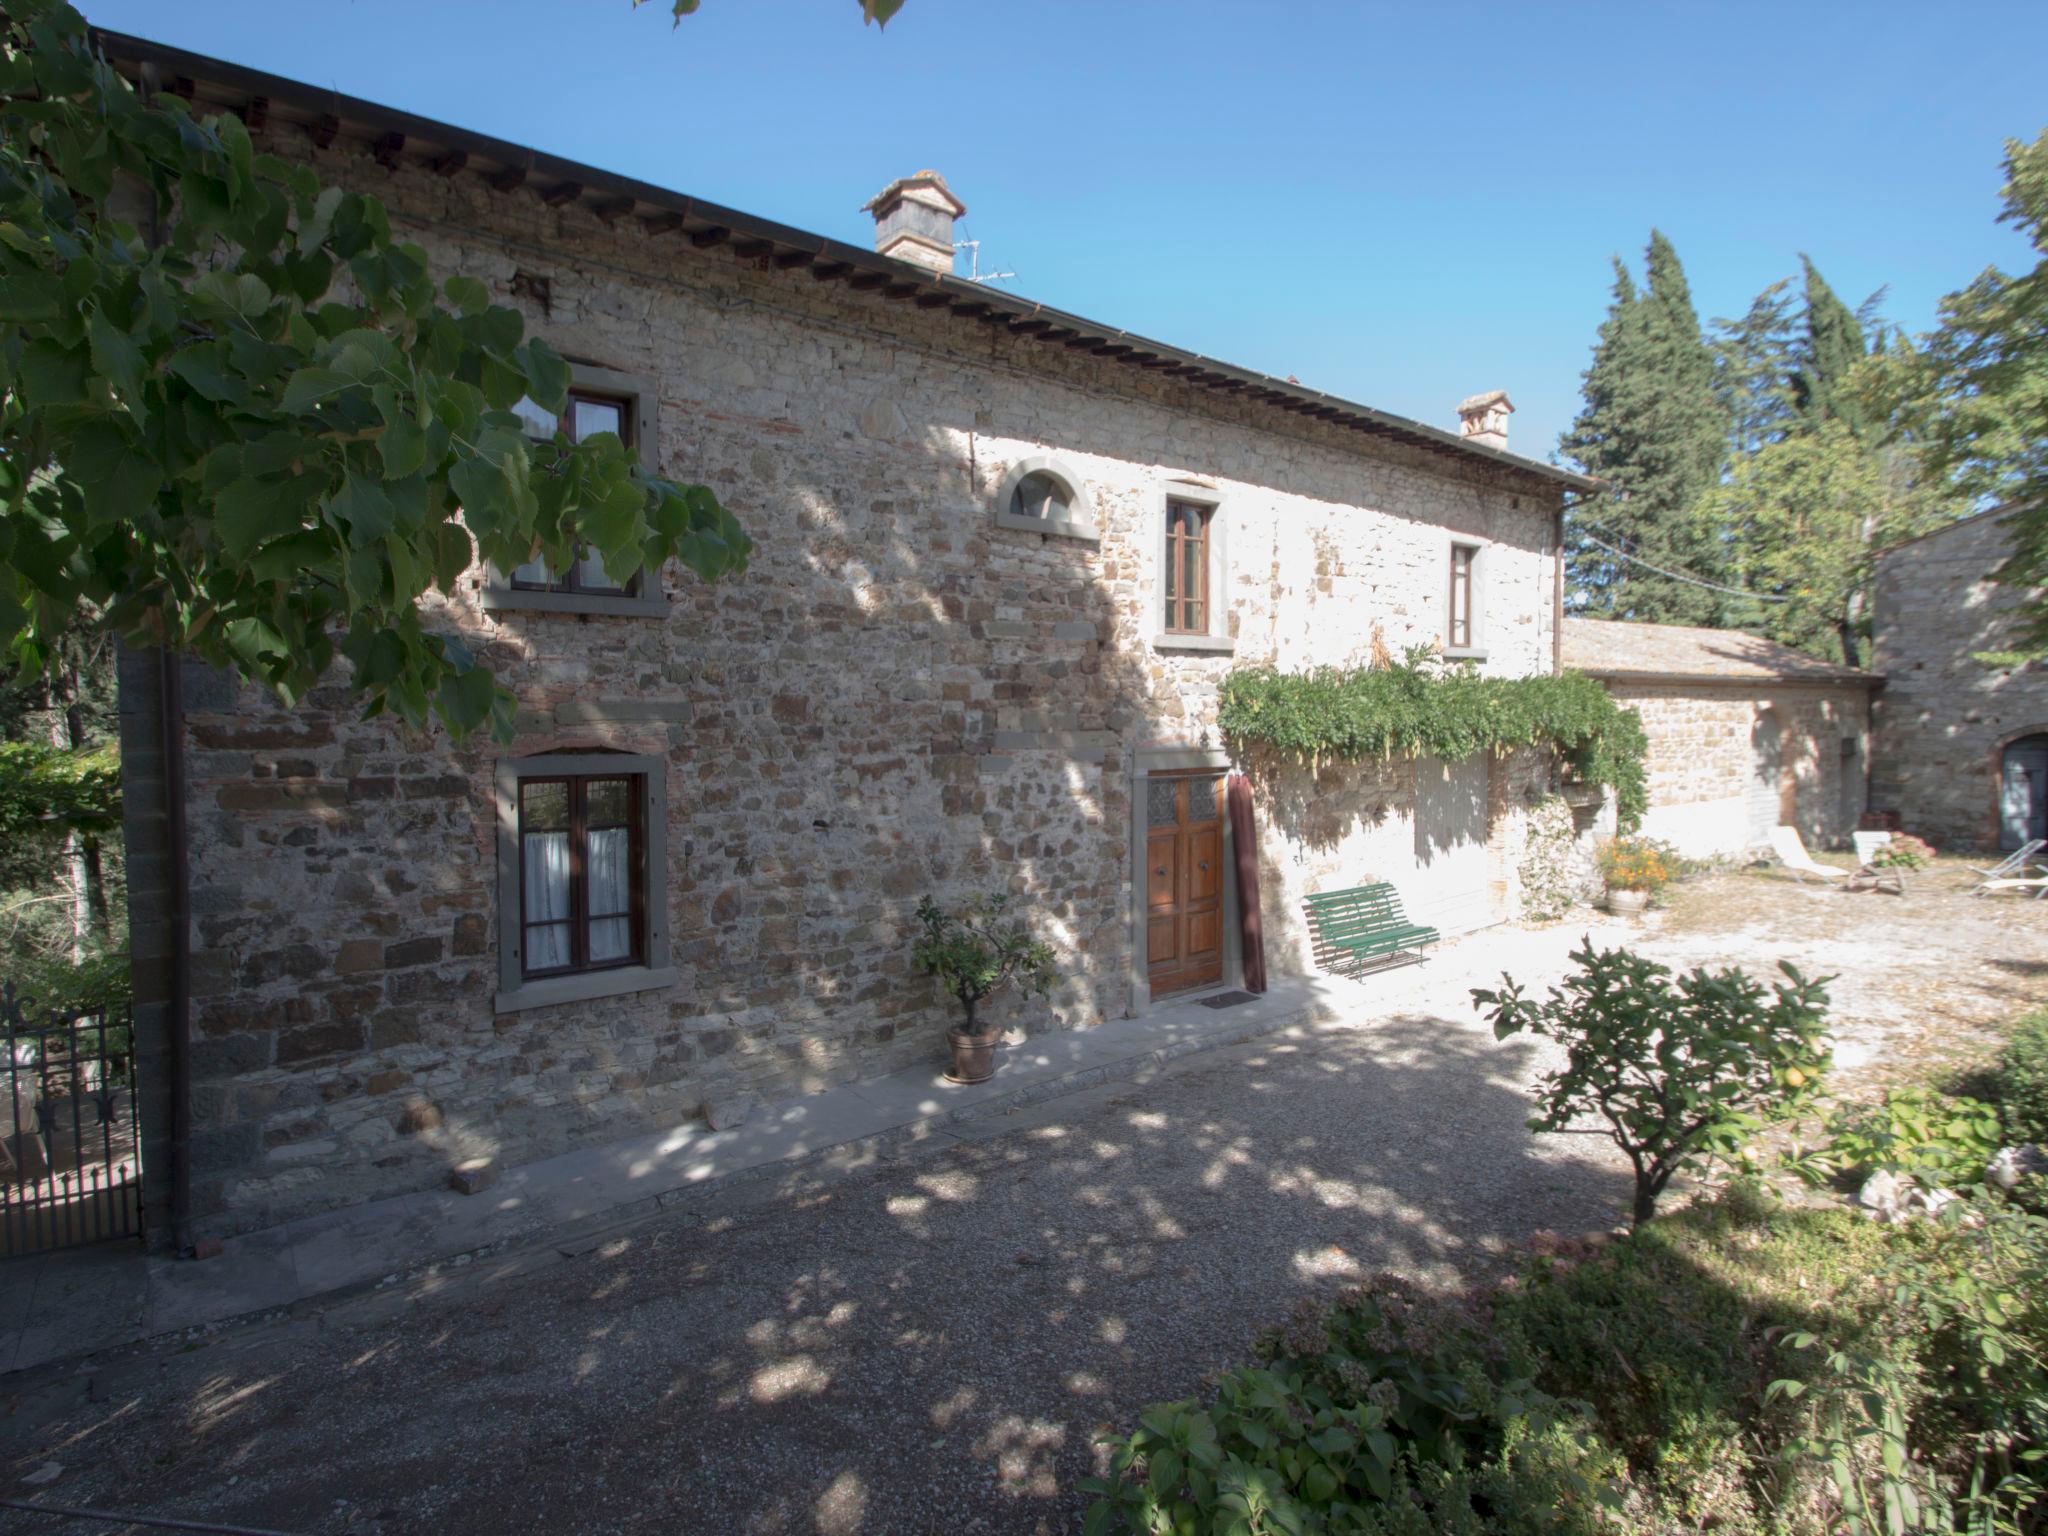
x=1398 y=204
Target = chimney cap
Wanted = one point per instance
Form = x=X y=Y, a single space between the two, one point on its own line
x=1472 y=405
x=931 y=183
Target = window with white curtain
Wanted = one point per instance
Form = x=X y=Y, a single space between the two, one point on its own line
x=579 y=851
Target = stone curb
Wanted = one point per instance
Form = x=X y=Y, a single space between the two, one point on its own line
x=572 y=1239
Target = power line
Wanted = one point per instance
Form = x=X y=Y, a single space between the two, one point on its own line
x=1696 y=581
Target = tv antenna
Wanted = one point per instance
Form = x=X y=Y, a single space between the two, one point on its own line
x=974 y=272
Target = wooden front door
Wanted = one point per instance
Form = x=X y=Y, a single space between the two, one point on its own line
x=1184 y=881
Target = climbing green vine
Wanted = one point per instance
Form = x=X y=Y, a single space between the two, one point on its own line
x=1412 y=710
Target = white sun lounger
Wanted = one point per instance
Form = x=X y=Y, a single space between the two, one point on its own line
x=2012 y=863
x=1791 y=851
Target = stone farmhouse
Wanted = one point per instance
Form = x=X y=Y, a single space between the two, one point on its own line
x=1005 y=555
x=1962 y=743
x=1745 y=734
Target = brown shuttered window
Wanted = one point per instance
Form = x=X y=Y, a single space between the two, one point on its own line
x=1187 y=568
x=582 y=863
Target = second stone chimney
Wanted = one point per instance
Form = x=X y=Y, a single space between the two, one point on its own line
x=1484 y=418
x=914 y=220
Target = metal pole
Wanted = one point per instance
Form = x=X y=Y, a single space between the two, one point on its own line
x=181 y=949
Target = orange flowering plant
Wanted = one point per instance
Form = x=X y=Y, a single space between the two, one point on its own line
x=1636 y=864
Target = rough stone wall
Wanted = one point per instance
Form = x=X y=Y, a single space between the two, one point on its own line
x=1702 y=772
x=1943 y=718
x=898 y=697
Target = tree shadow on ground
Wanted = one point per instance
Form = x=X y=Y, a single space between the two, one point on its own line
x=931 y=1345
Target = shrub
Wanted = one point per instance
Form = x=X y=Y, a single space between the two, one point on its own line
x=1636 y=864
x=1931 y=1135
x=1679 y=1070
x=2022 y=1081
x=1360 y=1417
x=975 y=954
x=1937 y=1420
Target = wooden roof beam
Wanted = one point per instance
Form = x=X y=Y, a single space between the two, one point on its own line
x=562 y=192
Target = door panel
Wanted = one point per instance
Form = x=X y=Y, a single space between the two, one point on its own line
x=1184 y=880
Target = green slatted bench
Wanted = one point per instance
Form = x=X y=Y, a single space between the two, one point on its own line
x=1367 y=924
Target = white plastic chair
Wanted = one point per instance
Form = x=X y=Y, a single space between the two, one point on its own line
x=1791 y=851
x=1867 y=844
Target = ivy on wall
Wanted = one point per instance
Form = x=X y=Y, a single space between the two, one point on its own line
x=1412 y=710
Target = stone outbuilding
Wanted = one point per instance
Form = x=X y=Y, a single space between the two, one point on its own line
x=1745 y=734
x=1962 y=725
x=1005 y=557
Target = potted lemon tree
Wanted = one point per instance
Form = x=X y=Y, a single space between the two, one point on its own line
x=975 y=954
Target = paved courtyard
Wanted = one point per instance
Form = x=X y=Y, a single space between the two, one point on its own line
x=933 y=1341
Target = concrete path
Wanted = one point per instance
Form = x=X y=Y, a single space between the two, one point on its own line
x=62 y=1305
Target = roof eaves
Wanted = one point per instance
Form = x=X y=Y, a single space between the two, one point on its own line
x=708 y=224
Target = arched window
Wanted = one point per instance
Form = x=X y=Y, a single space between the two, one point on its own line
x=1042 y=495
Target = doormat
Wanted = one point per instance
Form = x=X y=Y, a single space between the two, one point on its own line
x=1229 y=999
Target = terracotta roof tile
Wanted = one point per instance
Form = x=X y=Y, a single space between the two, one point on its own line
x=1613 y=648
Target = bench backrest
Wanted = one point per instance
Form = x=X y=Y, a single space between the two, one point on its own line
x=1363 y=909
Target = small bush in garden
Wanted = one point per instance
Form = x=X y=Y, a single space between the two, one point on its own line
x=2022 y=1081
x=1636 y=864
x=975 y=954
x=1360 y=1417
x=1903 y=851
x=1936 y=1138
x=1937 y=1419
x=1681 y=1069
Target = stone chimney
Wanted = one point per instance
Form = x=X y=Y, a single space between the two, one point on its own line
x=1484 y=418
x=914 y=220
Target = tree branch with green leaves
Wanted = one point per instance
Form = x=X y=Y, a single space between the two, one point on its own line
x=239 y=417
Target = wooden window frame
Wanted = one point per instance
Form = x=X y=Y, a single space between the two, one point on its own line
x=650 y=970
x=1472 y=645
x=579 y=918
x=571 y=581
x=643 y=598
x=1213 y=638
x=1178 y=544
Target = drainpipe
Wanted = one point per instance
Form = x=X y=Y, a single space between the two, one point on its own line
x=1557 y=594
x=171 y=674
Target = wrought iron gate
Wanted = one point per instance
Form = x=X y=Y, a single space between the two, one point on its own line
x=70 y=1156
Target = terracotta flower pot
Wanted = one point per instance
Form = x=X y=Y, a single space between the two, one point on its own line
x=974 y=1056
x=1627 y=903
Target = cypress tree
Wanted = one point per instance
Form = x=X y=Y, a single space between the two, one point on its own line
x=1654 y=427
x=1833 y=344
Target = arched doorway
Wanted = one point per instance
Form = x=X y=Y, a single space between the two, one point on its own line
x=2023 y=791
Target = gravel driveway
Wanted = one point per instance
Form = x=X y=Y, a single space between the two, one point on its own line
x=931 y=1344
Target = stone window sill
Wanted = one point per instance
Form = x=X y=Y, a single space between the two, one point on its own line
x=1210 y=645
x=625 y=605
x=585 y=987
x=1059 y=528
x=1464 y=653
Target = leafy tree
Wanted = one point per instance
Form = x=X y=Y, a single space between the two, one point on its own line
x=1654 y=427
x=1805 y=516
x=1833 y=344
x=1977 y=394
x=1753 y=363
x=1680 y=1070
x=239 y=420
